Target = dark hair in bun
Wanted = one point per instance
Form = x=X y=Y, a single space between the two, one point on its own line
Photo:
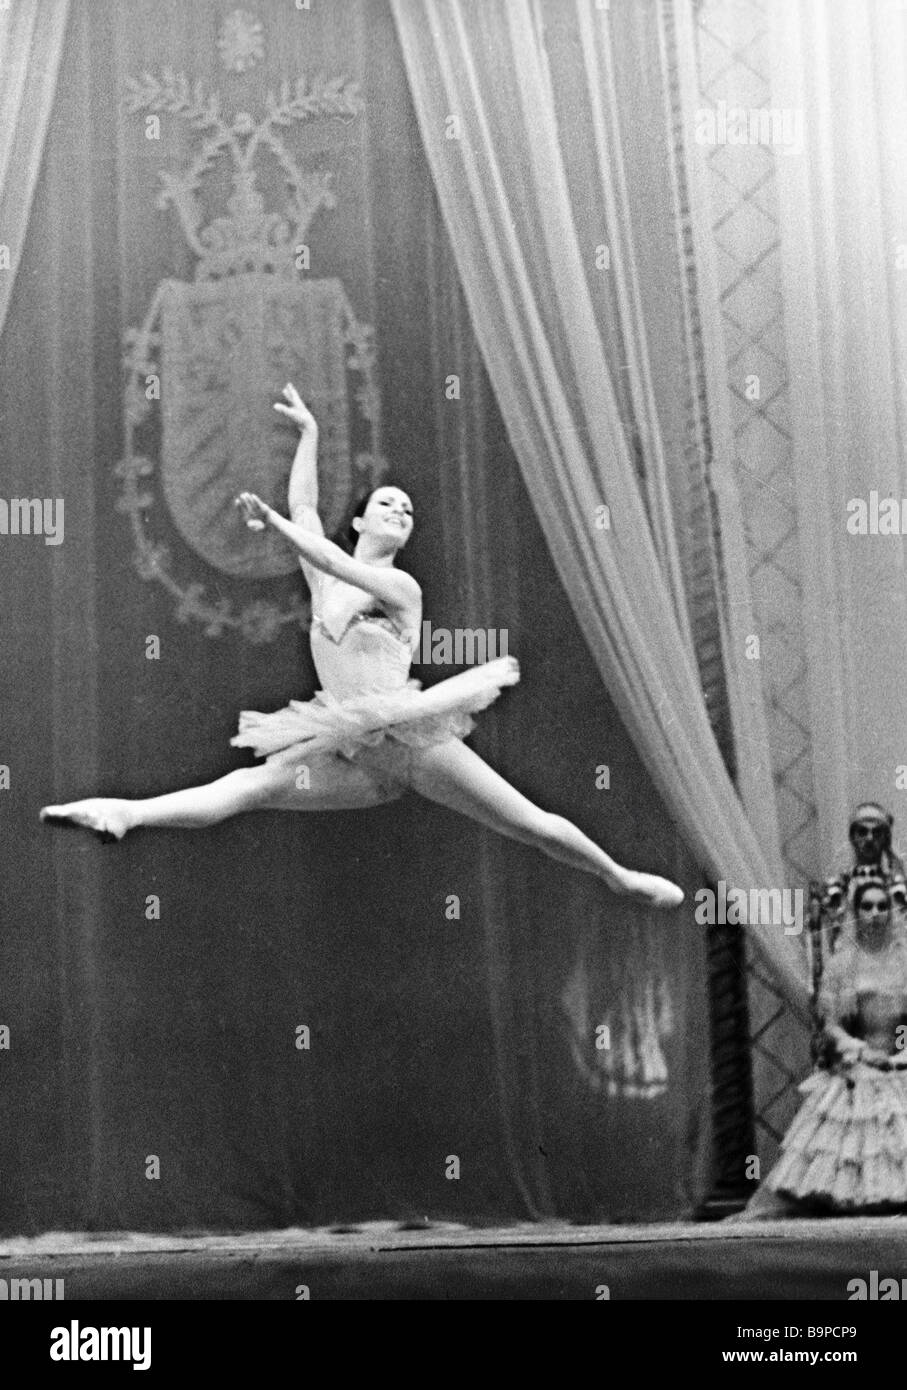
x=352 y=534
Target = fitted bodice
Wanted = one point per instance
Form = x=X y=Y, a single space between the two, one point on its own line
x=866 y=992
x=370 y=656
x=878 y=1015
x=362 y=651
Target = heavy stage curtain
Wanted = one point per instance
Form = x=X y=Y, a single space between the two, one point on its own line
x=536 y=192
x=153 y=989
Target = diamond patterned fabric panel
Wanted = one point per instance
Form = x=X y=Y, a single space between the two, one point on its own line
x=733 y=67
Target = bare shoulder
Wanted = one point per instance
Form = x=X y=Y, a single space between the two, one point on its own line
x=410 y=588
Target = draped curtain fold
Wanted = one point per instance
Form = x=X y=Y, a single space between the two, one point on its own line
x=842 y=202
x=524 y=236
x=31 y=42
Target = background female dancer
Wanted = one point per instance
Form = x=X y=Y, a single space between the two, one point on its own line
x=370 y=733
x=846 y=1149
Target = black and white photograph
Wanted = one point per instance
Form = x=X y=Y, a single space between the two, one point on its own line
x=453 y=691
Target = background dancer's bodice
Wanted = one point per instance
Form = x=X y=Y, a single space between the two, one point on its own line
x=866 y=992
x=877 y=1016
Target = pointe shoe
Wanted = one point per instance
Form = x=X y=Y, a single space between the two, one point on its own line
x=651 y=889
x=101 y=815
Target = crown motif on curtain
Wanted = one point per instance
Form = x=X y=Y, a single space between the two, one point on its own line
x=241 y=41
x=248 y=236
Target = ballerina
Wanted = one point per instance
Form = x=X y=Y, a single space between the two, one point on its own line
x=370 y=733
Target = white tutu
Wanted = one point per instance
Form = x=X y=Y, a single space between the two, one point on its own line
x=410 y=715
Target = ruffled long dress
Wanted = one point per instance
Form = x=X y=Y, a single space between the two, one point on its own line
x=846 y=1149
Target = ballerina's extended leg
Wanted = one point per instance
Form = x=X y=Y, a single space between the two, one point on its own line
x=189 y=809
x=330 y=784
x=456 y=777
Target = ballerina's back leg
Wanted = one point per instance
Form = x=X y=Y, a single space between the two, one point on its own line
x=456 y=777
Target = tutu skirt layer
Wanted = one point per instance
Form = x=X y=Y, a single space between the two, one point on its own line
x=410 y=715
x=847 y=1145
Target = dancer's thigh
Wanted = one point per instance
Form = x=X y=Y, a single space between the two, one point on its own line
x=456 y=777
x=328 y=782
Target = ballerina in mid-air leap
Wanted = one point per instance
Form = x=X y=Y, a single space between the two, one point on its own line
x=370 y=733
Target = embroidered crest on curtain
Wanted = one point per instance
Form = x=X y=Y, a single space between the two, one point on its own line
x=205 y=365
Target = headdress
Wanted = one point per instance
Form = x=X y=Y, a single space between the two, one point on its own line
x=870 y=878
x=870 y=815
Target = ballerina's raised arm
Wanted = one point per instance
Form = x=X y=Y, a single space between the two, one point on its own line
x=398 y=591
x=302 y=491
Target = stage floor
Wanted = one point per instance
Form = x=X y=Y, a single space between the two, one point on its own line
x=792 y=1259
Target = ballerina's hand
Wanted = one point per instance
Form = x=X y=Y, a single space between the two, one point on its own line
x=254 y=510
x=296 y=409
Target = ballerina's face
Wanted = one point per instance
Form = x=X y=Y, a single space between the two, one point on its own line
x=388 y=515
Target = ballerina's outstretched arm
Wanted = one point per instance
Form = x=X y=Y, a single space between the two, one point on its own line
x=392 y=587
